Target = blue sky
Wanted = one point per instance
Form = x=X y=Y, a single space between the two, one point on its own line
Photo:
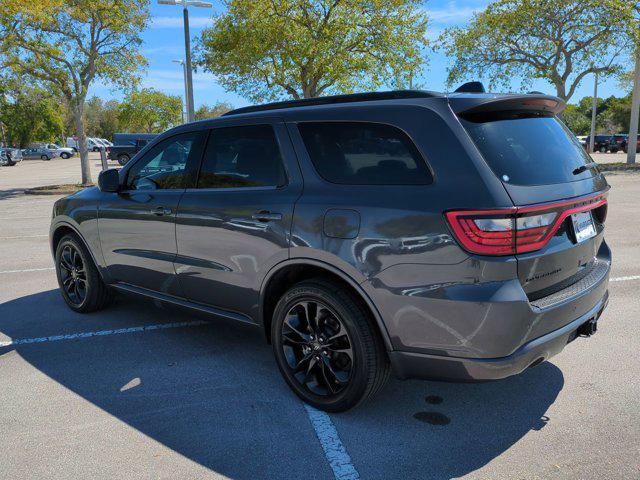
x=164 y=41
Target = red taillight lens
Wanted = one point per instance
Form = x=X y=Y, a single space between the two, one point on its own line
x=518 y=229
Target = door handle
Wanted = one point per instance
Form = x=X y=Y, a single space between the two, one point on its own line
x=264 y=216
x=160 y=211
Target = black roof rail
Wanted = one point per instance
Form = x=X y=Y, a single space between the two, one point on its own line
x=471 y=87
x=333 y=99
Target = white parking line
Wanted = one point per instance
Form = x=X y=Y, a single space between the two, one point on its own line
x=101 y=333
x=23 y=236
x=625 y=279
x=336 y=454
x=27 y=270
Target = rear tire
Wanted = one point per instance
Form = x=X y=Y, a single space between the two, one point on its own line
x=329 y=354
x=80 y=282
x=44 y=157
x=123 y=159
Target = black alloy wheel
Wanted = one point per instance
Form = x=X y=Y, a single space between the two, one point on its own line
x=317 y=347
x=80 y=282
x=327 y=346
x=73 y=274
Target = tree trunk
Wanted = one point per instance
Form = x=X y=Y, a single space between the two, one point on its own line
x=85 y=168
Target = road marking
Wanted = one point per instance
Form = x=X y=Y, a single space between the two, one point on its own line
x=336 y=454
x=27 y=270
x=101 y=333
x=625 y=279
x=23 y=236
x=19 y=217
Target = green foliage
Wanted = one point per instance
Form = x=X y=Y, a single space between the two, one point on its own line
x=150 y=111
x=270 y=49
x=102 y=118
x=206 y=111
x=30 y=114
x=613 y=115
x=67 y=44
x=560 y=41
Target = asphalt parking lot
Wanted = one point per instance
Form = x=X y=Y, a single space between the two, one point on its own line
x=141 y=391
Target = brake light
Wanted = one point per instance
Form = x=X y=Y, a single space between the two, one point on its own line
x=515 y=230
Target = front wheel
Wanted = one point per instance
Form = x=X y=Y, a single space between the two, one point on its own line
x=327 y=347
x=123 y=159
x=80 y=283
x=65 y=155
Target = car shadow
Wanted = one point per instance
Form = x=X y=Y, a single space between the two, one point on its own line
x=214 y=394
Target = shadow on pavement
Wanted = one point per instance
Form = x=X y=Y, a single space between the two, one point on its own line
x=213 y=394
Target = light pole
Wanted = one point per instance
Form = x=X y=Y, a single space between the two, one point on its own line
x=594 y=113
x=186 y=87
x=187 y=46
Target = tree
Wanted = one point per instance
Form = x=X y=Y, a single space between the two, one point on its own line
x=560 y=41
x=102 y=119
x=67 y=44
x=29 y=114
x=220 y=108
x=150 y=111
x=269 y=49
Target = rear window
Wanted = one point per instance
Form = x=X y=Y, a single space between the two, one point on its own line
x=359 y=153
x=527 y=150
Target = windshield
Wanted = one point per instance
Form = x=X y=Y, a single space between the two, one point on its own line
x=526 y=150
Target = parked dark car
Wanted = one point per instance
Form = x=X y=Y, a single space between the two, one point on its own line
x=603 y=144
x=37 y=153
x=620 y=141
x=456 y=237
x=9 y=157
x=126 y=145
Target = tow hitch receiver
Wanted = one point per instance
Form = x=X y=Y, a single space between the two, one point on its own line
x=588 y=328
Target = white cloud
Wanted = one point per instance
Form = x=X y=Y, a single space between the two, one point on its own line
x=453 y=13
x=177 y=22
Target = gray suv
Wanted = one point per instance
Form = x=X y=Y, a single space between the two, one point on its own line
x=455 y=237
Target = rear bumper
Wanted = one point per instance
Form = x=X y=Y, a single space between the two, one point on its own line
x=435 y=367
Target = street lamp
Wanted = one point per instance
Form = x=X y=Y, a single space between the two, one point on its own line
x=187 y=46
x=186 y=87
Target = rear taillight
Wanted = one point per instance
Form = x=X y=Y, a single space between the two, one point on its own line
x=515 y=230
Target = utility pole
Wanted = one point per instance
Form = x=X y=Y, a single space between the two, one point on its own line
x=594 y=109
x=635 y=113
x=185 y=112
x=187 y=47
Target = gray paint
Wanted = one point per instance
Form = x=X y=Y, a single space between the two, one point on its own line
x=430 y=298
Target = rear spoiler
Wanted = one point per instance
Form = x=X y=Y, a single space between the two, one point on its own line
x=464 y=105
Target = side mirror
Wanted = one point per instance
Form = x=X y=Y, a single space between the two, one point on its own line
x=109 y=181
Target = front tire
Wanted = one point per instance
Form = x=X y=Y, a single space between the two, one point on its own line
x=65 y=155
x=327 y=347
x=80 y=283
x=123 y=159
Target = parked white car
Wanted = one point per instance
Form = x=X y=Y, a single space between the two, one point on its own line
x=92 y=144
x=62 y=152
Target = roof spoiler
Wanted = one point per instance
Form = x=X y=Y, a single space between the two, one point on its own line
x=501 y=103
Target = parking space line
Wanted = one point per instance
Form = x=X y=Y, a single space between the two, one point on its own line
x=23 y=236
x=27 y=270
x=102 y=333
x=625 y=279
x=334 y=450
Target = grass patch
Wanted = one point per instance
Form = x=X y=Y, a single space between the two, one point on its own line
x=64 y=189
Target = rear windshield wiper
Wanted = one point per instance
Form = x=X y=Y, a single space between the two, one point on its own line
x=585 y=167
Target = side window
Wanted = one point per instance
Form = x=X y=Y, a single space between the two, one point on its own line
x=242 y=157
x=164 y=166
x=359 y=153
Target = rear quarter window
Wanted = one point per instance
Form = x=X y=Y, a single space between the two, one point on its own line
x=526 y=150
x=360 y=153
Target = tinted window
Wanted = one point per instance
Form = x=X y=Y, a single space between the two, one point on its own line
x=164 y=166
x=364 y=154
x=528 y=150
x=242 y=157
